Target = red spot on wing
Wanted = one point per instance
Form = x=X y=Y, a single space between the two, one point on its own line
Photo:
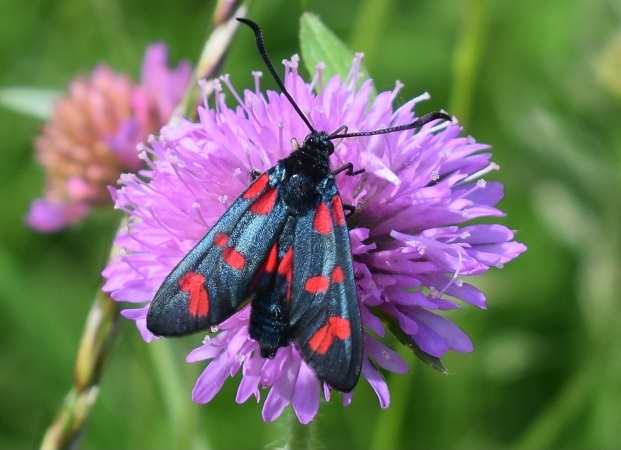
x=337 y=211
x=322 y=223
x=337 y=275
x=194 y=284
x=265 y=203
x=256 y=187
x=285 y=269
x=220 y=240
x=233 y=258
x=317 y=284
x=322 y=340
x=268 y=266
x=272 y=259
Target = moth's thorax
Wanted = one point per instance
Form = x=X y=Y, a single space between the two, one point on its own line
x=305 y=174
x=318 y=143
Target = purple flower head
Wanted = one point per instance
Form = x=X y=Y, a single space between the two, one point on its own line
x=92 y=136
x=411 y=250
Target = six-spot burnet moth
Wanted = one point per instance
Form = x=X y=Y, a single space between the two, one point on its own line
x=283 y=244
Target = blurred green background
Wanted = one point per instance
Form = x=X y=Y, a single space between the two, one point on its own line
x=538 y=80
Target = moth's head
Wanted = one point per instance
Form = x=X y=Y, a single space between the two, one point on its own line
x=319 y=142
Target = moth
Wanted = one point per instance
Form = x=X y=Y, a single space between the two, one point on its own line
x=283 y=244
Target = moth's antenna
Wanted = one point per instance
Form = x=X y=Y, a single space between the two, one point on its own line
x=416 y=124
x=258 y=35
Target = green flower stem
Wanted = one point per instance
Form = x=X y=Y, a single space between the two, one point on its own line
x=301 y=437
x=173 y=383
x=467 y=59
x=211 y=60
x=99 y=332
x=392 y=420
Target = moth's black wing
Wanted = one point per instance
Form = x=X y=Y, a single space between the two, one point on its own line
x=325 y=315
x=211 y=281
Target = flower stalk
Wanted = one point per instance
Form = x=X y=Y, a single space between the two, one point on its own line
x=301 y=437
x=467 y=59
x=212 y=57
x=97 y=338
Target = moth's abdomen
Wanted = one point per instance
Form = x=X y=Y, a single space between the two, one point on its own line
x=269 y=322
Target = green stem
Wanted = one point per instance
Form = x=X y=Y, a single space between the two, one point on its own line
x=173 y=387
x=97 y=337
x=467 y=59
x=392 y=419
x=210 y=61
x=301 y=437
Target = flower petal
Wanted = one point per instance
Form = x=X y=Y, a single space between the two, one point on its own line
x=306 y=394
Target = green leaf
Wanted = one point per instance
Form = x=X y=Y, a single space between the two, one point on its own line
x=406 y=340
x=33 y=102
x=319 y=44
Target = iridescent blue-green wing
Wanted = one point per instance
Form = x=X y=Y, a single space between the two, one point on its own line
x=212 y=280
x=325 y=315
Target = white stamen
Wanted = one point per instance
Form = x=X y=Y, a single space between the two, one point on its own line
x=421 y=98
x=479 y=185
x=291 y=67
x=227 y=80
x=219 y=97
x=253 y=113
x=281 y=127
x=177 y=164
x=197 y=208
x=144 y=156
x=398 y=86
x=202 y=84
x=173 y=160
x=480 y=173
x=385 y=354
x=147 y=206
x=317 y=81
x=127 y=178
x=257 y=81
x=354 y=72
x=134 y=268
x=295 y=62
x=452 y=280
x=214 y=328
x=240 y=358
